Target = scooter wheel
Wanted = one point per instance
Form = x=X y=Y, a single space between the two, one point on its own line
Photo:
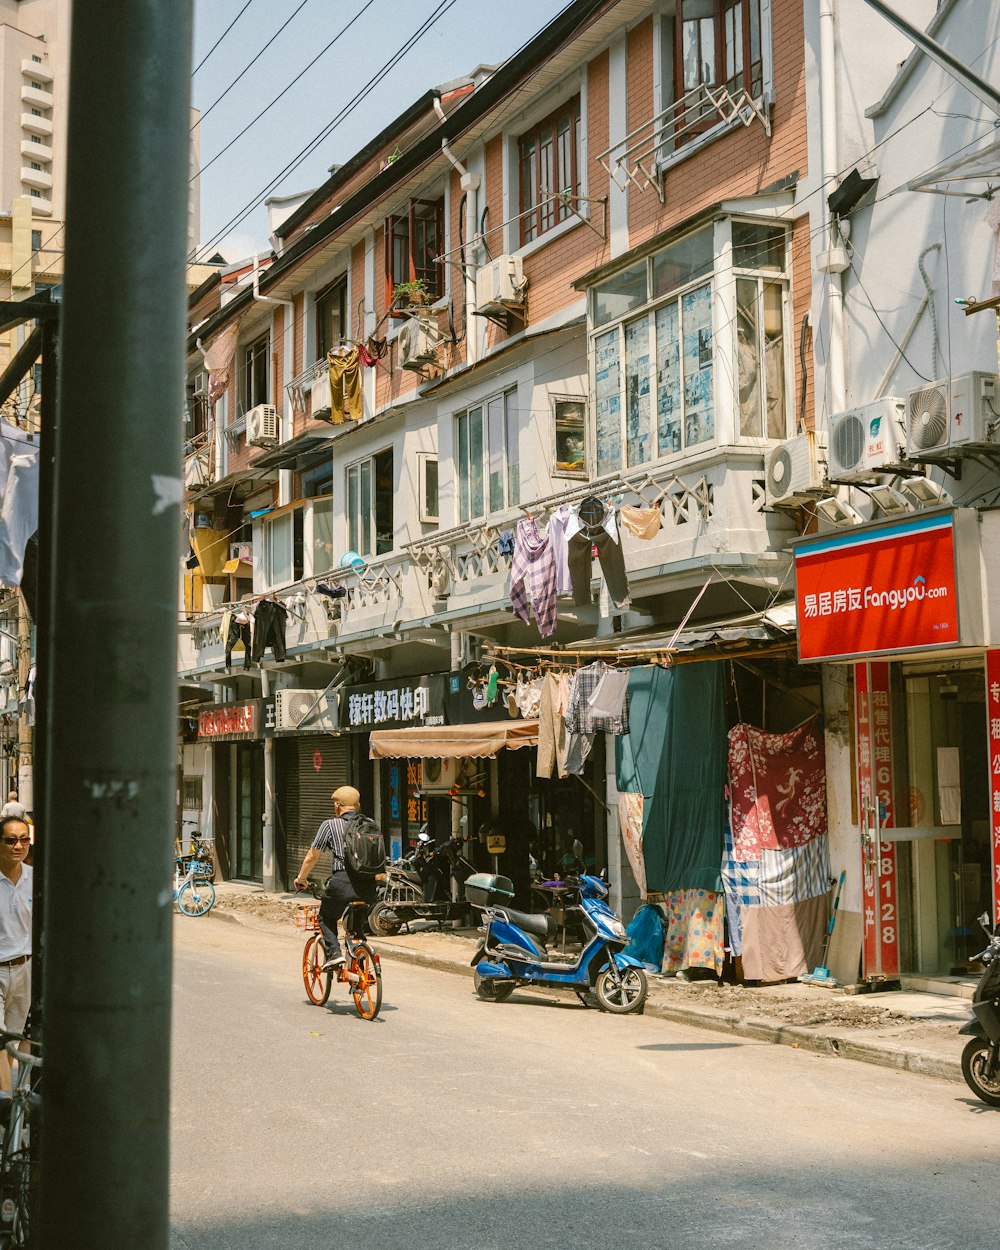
x=625 y=993
x=975 y=1068
x=490 y=990
x=383 y=920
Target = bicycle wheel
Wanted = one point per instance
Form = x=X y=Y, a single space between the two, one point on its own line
x=196 y=898
x=15 y=1206
x=317 y=982
x=367 y=989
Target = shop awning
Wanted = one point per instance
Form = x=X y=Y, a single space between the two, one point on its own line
x=479 y=741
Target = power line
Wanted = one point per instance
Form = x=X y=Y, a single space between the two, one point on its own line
x=221 y=37
x=297 y=160
x=250 y=64
x=284 y=91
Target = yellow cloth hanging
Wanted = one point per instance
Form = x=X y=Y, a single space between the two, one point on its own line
x=345 y=387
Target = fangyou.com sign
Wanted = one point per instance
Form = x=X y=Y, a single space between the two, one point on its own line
x=878 y=591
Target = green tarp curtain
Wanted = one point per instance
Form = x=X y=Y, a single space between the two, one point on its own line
x=675 y=755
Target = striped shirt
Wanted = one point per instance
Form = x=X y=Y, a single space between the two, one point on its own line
x=330 y=837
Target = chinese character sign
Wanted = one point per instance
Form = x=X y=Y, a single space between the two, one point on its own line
x=869 y=591
x=873 y=739
x=993 y=722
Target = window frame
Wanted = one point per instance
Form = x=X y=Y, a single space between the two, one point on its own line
x=330 y=292
x=566 y=401
x=432 y=273
x=550 y=213
x=303 y=542
x=721 y=280
x=427 y=467
x=494 y=463
x=361 y=533
x=255 y=373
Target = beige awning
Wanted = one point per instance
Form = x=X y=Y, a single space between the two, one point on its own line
x=444 y=742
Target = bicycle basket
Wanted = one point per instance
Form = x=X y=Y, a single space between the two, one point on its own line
x=307 y=916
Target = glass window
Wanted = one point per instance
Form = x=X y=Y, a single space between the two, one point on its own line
x=717 y=44
x=486 y=455
x=331 y=317
x=620 y=294
x=321 y=544
x=607 y=383
x=638 y=448
x=683 y=261
x=427 y=485
x=254 y=374
x=414 y=239
x=570 y=418
x=760 y=357
x=757 y=246
x=283 y=548
x=549 y=165
x=370 y=489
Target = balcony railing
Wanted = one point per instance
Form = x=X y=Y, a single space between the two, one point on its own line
x=636 y=158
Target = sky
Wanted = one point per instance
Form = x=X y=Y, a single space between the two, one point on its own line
x=317 y=88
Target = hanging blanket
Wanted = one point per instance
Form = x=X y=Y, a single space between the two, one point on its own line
x=795 y=874
x=780 y=943
x=741 y=884
x=630 y=823
x=693 y=930
x=778 y=786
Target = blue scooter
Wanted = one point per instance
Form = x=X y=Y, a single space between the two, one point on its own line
x=513 y=951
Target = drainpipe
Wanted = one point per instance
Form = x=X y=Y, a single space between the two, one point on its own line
x=284 y=475
x=269 y=861
x=264 y=299
x=470 y=184
x=833 y=261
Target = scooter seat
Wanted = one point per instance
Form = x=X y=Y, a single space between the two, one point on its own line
x=540 y=924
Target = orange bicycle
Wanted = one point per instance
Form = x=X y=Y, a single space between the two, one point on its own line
x=362 y=972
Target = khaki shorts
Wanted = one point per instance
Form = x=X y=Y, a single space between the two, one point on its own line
x=15 y=996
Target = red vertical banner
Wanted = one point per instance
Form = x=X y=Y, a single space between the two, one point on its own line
x=873 y=738
x=993 y=746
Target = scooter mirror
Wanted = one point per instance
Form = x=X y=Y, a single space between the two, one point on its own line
x=984 y=920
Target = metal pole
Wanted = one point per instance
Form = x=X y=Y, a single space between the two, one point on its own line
x=112 y=731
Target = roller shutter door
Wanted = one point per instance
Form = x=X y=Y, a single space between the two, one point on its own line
x=322 y=767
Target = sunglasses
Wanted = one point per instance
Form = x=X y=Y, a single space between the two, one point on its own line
x=15 y=841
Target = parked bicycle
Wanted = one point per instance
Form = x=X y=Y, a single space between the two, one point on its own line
x=18 y=1107
x=362 y=971
x=198 y=856
x=194 y=893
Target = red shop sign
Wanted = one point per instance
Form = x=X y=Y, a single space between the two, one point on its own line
x=238 y=721
x=870 y=592
x=993 y=725
x=873 y=740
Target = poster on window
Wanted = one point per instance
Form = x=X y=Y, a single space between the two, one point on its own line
x=699 y=413
x=637 y=419
x=668 y=380
x=607 y=403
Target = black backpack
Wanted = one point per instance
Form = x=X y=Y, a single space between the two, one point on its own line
x=364 y=846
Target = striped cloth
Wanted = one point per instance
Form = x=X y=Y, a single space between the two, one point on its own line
x=740 y=883
x=793 y=874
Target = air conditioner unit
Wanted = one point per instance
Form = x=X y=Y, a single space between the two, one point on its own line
x=500 y=284
x=291 y=708
x=952 y=415
x=794 y=472
x=438 y=776
x=319 y=392
x=197 y=470
x=262 y=426
x=866 y=440
x=417 y=342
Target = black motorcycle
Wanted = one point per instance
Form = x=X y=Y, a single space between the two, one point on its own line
x=418 y=886
x=981 y=1056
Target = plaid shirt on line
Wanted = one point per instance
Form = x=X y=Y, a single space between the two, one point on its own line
x=533 y=573
x=580 y=718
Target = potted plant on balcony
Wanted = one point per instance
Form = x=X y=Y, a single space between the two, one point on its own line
x=410 y=298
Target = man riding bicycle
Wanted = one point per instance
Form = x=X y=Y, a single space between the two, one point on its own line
x=340 y=888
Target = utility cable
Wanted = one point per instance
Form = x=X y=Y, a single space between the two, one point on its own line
x=221 y=37
x=250 y=64
x=297 y=160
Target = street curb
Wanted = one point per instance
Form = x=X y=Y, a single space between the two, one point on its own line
x=763 y=1030
x=839 y=1045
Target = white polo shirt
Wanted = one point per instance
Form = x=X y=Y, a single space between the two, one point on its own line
x=15 y=915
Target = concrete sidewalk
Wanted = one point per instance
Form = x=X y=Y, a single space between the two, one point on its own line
x=914 y=1031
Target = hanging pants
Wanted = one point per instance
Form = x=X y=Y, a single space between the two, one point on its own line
x=612 y=561
x=236 y=633
x=269 y=630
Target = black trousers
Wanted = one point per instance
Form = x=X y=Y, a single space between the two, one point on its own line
x=269 y=629
x=339 y=891
x=612 y=561
x=238 y=633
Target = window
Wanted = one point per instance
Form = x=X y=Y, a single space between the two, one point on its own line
x=414 y=240
x=427 y=485
x=36 y=85
x=191 y=792
x=196 y=407
x=369 y=505
x=760 y=321
x=549 y=165
x=486 y=452
x=283 y=548
x=254 y=375
x=331 y=316
x=655 y=351
x=569 y=418
x=36 y=112
x=37 y=194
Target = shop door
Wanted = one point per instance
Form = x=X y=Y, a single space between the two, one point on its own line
x=943 y=852
x=248 y=835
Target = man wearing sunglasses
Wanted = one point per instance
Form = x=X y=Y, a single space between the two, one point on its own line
x=15 y=932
